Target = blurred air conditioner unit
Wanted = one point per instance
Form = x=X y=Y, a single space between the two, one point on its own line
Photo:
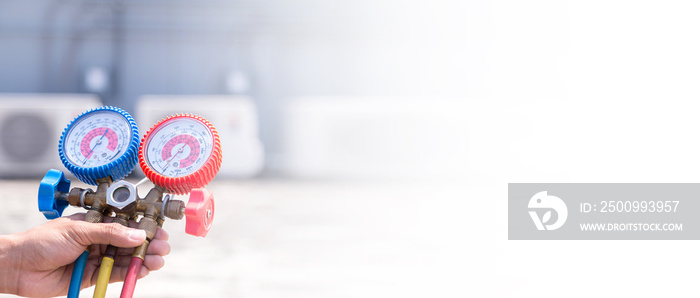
x=235 y=118
x=30 y=127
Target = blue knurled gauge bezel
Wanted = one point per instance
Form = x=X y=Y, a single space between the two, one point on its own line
x=117 y=169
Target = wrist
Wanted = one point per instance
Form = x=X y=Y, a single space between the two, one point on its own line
x=9 y=269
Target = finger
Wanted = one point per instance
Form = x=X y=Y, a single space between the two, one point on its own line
x=76 y=216
x=162 y=235
x=84 y=234
x=119 y=273
x=156 y=247
x=151 y=262
x=122 y=261
x=120 y=266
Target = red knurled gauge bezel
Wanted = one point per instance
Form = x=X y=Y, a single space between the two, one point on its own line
x=200 y=178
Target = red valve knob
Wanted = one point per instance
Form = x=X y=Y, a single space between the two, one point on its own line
x=199 y=212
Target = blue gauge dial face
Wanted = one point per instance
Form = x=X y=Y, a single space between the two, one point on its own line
x=97 y=139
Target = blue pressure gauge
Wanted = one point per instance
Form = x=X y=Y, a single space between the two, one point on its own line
x=100 y=143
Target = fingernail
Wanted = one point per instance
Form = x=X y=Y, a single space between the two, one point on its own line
x=136 y=234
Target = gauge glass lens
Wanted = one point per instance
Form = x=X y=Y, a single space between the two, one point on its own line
x=97 y=139
x=179 y=147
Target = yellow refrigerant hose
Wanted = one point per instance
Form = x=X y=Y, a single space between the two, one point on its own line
x=103 y=277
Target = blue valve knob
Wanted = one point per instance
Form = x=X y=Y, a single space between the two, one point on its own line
x=51 y=187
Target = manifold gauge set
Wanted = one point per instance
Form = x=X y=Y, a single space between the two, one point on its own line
x=180 y=155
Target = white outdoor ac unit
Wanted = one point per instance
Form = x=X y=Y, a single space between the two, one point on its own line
x=235 y=118
x=30 y=127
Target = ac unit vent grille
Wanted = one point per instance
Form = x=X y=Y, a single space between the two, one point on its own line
x=26 y=136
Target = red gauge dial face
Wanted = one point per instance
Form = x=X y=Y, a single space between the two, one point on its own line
x=97 y=139
x=184 y=147
x=179 y=147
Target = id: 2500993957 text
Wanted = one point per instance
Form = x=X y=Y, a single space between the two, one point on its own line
x=630 y=207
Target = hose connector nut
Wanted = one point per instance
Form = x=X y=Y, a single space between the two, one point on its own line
x=121 y=196
x=174 y=209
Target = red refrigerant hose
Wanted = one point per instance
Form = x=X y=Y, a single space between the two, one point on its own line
x=132 y=275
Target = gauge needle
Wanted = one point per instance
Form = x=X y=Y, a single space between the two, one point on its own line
x=176 y=154
x=96 y=143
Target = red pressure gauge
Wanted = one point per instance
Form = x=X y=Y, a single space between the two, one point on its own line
x=181 y=153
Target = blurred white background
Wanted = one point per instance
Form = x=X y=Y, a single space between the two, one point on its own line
x=390 y=131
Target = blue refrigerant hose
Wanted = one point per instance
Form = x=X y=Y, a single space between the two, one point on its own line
x=76 y=279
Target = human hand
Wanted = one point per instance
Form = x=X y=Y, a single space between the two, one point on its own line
x=39 y=261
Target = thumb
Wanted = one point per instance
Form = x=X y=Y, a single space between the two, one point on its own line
x=107 y=233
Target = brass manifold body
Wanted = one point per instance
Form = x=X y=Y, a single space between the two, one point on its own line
x=120 y=201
